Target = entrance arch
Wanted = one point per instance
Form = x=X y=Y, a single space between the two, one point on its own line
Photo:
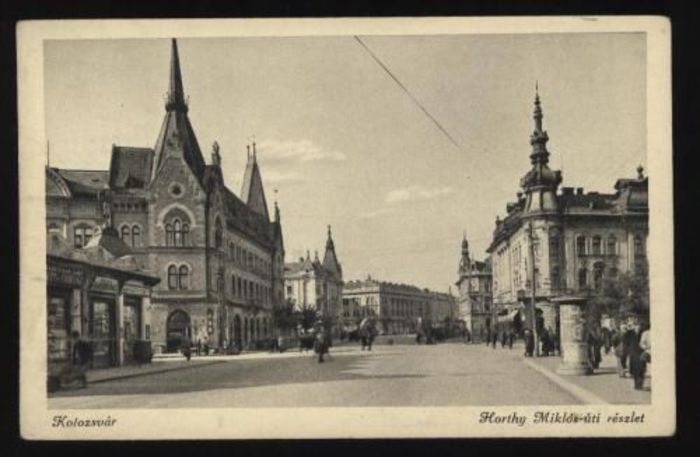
x=178 y=329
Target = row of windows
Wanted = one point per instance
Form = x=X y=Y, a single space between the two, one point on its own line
x=177 y=233
x=596 y=245
x=248 y=260
x=242 y=288
x=178 y=277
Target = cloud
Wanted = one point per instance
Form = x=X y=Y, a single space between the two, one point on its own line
x=300 y=151
x=376 y=213
x=276 y=177
x=413 y=193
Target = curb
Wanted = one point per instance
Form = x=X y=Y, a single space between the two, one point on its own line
x=161 y=370
x=576 y=391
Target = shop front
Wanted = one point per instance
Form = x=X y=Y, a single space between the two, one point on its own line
x=107 y=306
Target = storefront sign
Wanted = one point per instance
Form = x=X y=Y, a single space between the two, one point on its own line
x=105 y=285
x=64 y=274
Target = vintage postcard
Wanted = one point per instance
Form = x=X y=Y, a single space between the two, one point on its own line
x=346 y=228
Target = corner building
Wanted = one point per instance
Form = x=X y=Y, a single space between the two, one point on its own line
x=577 y=238
x=219 y=256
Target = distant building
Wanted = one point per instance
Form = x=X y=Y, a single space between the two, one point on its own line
x=475 y=310
x=578 y=238
x=316 y=284
x=219 y=256
x=399 y=308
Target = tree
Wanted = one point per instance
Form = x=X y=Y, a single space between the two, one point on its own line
x=307 y=317
x=284 y=316
x=621 y=296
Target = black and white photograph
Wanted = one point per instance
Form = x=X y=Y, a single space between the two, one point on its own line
x=346 y=228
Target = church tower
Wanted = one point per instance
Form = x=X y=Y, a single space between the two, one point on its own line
x=252 y=192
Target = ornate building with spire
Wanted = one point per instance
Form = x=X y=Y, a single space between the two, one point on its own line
x=577 y=239
x=317 y=284
x=474 y=303
x=219 y=256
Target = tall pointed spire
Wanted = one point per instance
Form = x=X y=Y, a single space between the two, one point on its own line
x=330 y=259
x=539 y=137
x=252 y=191
x=176 y=137
x=176 y=93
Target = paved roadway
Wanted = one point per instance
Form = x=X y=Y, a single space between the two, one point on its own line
x=409 y=375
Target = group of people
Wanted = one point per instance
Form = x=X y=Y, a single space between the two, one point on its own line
x=632 y=343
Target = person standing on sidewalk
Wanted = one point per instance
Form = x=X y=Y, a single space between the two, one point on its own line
x=81 y=357
x=637 y=365
x=529 y=342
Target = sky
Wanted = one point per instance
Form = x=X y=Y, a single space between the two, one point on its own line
x=345 y=145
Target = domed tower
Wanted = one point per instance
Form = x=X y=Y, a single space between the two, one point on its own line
x=540 y=183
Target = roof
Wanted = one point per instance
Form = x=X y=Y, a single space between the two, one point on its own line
x=85 y=182
x=244 y=219
x=130 y=167
x=252 y=192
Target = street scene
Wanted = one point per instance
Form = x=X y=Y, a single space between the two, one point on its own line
x=378 y=221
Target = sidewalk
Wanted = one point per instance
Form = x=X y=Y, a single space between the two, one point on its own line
x=604 y=383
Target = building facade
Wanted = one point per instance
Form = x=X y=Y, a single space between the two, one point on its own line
x=317 y=284
x=475 y=301
x=99 y=293
x=398 y=308
x=219 y=256
x=564 y=241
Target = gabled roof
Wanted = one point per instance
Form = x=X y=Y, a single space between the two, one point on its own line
x=241 y=217
x=84 y=182
x=130 y=167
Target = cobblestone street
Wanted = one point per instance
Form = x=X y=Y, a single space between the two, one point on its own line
x=401 y=375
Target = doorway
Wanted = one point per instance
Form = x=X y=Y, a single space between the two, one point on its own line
x=178 y=330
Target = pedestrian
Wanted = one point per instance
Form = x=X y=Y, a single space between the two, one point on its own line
x=593 y=341
x=607 y=339
x=640 y=368
x=637 y=364
x=504 y=338
x=494 y=339
x=529 y=342
x=488 y=336
x=321 y=344
x=619 y=341
x=544 y=338
x=186 y=349
x=511 y=337
x=199 y=346
x=81 y=357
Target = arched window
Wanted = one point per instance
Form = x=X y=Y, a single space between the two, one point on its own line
x=169 y=235
x=582 y=278
x=596 y=244
x=177 y=232
x=184 y=277
x=172 y=277
x=125 y=234
x=612 y=245
x=581 y=245
x=135 y=236
x=185 y=234
x=82 y=235
x=598 y=269
x=218 y=233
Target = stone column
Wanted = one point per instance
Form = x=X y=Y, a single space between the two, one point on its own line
x=573 y=345
x=145 y=316
x=76 y=307
x=119 y=325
